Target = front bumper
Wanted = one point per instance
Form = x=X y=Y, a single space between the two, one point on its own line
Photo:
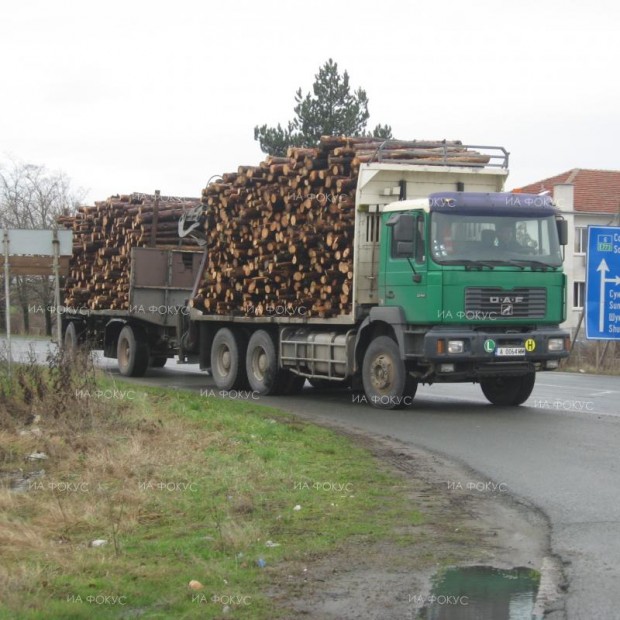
x=493 y=353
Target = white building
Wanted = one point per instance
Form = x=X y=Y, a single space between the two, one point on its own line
x=586 y=198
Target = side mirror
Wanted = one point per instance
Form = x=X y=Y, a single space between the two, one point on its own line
x=562 y=226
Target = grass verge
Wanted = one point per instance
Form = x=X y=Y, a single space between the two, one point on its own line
x=181 y=487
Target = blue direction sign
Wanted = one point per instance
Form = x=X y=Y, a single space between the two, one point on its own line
x=603 y=283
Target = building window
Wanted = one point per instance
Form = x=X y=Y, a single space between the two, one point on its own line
x=579 y=295
x=581 y=239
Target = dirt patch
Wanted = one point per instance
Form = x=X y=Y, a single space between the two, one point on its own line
x=468 y=521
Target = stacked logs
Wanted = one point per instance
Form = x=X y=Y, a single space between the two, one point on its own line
x=103 y=236
x=280 y=235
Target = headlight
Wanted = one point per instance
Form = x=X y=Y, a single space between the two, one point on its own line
x=456 y=346
x=555 y=344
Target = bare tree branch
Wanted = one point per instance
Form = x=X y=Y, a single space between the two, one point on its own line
x=32 y=197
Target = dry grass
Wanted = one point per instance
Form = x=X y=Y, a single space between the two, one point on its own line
x=18 y=535
x=99 y=452
x=103 y=452
x=597 y=357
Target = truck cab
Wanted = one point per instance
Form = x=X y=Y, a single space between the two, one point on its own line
x=473 y=288
x=453 y=280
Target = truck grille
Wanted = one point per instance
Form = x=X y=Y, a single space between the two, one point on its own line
x=518 y=303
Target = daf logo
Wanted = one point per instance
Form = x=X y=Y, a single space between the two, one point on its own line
x=506 y=310
x=506 y=300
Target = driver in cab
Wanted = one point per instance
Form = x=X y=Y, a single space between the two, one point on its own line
x=506 y=238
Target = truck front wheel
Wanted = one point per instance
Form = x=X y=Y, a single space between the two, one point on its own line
x=387 y=384
x=508 y=391
x=132 y=352
x=227 y=355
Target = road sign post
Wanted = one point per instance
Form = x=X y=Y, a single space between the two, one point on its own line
x=7 y=297
x=35 y=252
x=603 y=283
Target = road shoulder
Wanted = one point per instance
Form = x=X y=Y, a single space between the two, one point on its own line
x=469 y=521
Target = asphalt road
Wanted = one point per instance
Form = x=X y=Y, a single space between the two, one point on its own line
x=559 y=451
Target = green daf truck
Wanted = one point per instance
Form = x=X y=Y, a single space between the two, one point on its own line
x=454 y=281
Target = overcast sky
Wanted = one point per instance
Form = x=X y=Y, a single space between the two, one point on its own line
x=138 y=95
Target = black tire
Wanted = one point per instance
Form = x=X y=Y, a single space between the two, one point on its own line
x=132 y=352
x=158 y=362
x=261 y=364
x=71 y=341
x=508 y=391
x=227 y=360
x=387 y=384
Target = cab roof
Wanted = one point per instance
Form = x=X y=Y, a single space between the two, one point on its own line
x=480 y=203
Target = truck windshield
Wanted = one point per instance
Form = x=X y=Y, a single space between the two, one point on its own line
x=491 y=239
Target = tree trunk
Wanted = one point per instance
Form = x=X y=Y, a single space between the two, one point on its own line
x=278 y=235
x=103 y=237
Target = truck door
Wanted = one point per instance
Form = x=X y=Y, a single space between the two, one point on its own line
x=405 y=273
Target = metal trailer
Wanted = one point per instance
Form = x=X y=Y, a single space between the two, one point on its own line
x=148 y=333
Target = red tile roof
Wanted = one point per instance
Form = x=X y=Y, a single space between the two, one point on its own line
x=595 y=190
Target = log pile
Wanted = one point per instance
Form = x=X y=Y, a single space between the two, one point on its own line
x=280 y=234
x=103 y=236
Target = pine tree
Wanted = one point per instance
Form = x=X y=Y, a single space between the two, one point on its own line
x=331 y=109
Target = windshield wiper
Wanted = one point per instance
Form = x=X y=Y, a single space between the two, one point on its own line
x=469 y=264
x=514 y=262
x=534 y=263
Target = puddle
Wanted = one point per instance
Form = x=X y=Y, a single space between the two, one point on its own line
x=482 y=593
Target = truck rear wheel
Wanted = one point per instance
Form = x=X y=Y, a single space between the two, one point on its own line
x=227 y=355
x=71 y=341
x=387 y=384
x=261 y=363
x=508 y=391
x=132 y=352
